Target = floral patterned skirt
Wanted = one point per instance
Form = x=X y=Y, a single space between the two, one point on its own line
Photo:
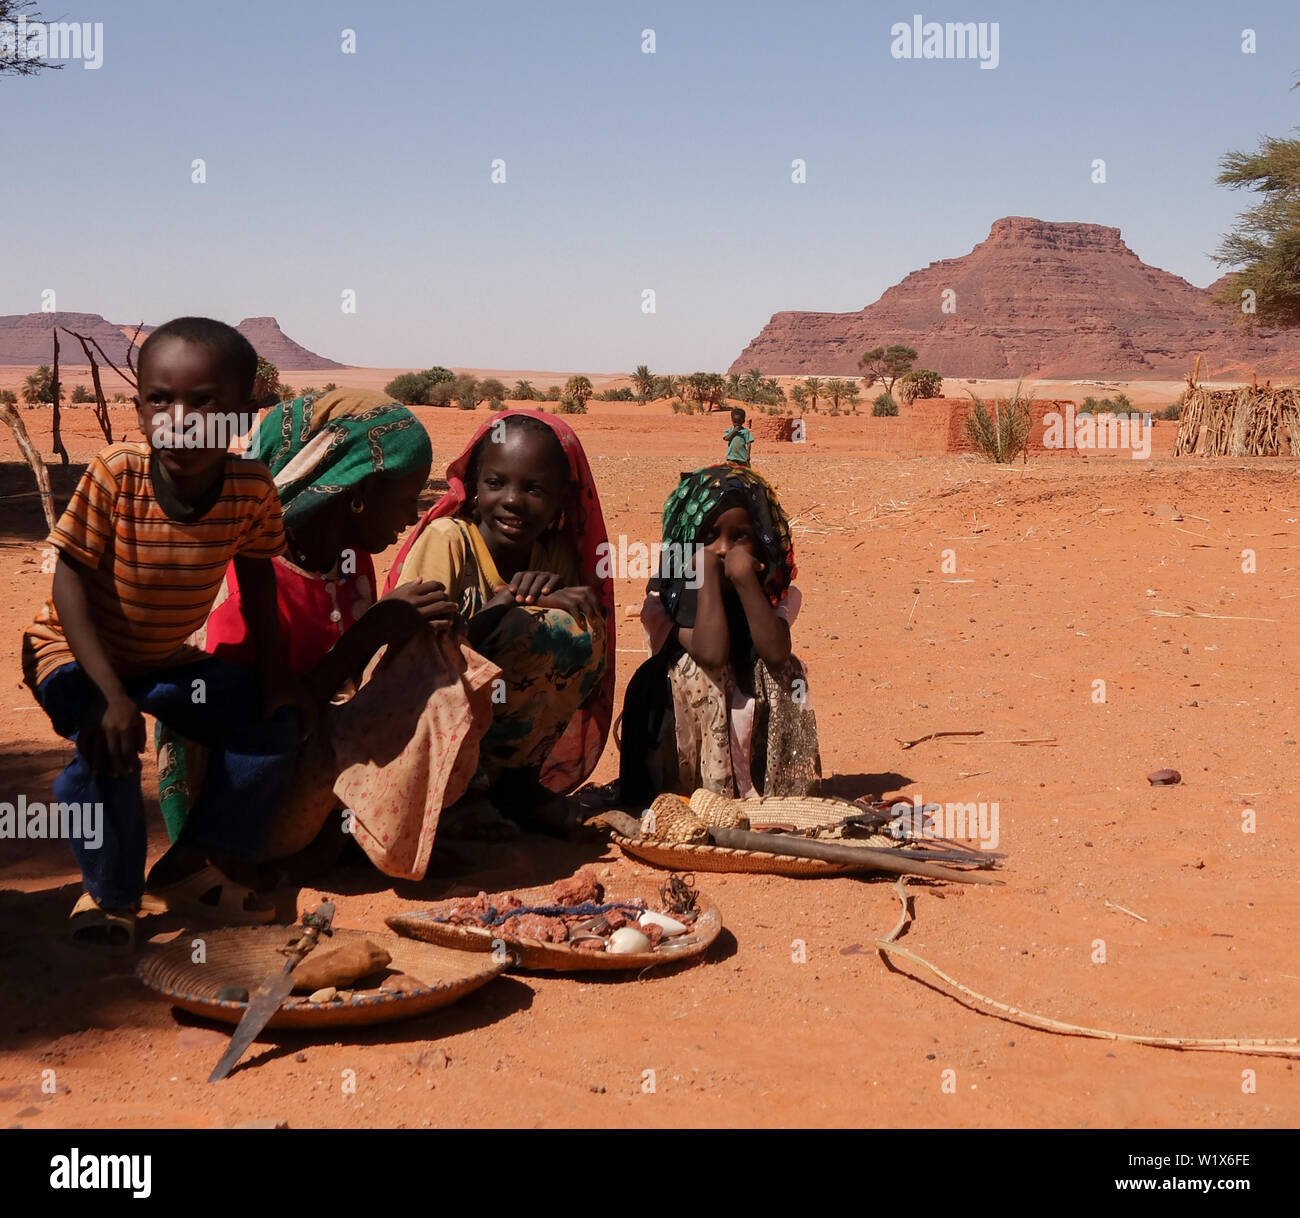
x=429 y=717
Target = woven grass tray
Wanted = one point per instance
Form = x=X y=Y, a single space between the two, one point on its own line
x=560 y=957
x=246 y=956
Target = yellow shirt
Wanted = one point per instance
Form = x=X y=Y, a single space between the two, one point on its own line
x=453 y=552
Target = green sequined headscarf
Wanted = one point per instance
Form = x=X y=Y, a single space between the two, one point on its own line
x=695 y=503
x=321 y=447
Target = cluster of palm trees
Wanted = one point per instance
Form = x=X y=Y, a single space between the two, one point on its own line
x=841 y=392
x=709 y=390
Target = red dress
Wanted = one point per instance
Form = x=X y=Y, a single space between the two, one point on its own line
x=314 y=611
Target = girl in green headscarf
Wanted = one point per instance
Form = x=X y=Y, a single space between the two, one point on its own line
x=723 y=703
x=349 y=467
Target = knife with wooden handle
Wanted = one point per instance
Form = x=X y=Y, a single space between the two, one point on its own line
x=274 y=990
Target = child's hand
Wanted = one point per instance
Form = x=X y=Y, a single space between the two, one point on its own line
x=117 y=741
x=430 y=600
x=529 y=586
x=740 y=565
x=578 y=601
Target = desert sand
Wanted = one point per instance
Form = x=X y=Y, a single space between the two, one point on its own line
x=1063 y=577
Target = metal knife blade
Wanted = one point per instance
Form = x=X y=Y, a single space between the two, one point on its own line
x=268 y=997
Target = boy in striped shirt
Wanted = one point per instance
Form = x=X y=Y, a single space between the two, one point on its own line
x=142 y=550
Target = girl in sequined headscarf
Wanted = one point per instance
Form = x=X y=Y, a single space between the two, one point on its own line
x=723 y=702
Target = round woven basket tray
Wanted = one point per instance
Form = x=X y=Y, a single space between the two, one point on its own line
x=801 y=813
x=560 y=957
x=246 y=956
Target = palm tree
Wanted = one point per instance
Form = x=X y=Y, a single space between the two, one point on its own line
x=644 y=380
x=799 y=395
x=523 y=391
x=578 y=388
x=813 y=386
x=750 y=385
x=770 y=387
x=39 y=387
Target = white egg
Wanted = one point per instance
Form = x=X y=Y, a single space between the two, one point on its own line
x=628 y=939
x=670 y=926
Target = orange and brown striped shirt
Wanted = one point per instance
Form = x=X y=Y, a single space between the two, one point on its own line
x=150 y=580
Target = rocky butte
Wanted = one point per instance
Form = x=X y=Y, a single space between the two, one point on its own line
x=27 y=339
x=1040 y=299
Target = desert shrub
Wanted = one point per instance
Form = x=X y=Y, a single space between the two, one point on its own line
x=81 y=395
x=553 y=394
x=491 y=388
x=329 y=388
x=1003 y=435
x=465 y=391
x=1172 y=411
x=884 y=407
x=119 y=397
x=409 y=389
x=572 y=405
x=681 y=406
x=416 y=388
x=287 y=393
x=8 y=397
x=310 y=392
x=524 y=392
x=616 y=395
x=919 y=383
x=495 y=404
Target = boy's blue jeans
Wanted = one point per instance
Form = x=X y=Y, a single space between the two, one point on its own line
x=250 y=764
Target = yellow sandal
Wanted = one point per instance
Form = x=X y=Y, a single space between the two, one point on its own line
x=186 y=897
x=91 y=925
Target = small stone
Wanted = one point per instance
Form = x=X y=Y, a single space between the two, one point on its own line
x=1186 y=650
x=1165 y=778
x=400 y=983
x=596 y=1089
x=325 y=994
x=300 y=1057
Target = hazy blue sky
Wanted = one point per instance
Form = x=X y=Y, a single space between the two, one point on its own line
x=625 y=171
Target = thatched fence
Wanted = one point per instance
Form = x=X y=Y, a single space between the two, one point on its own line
x=1245 y=422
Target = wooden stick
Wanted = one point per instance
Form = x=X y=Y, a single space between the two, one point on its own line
x=898 y=862
x=911 y=744
x=1035 y=740
x=1130 y=913
x=57 y=438
x=11 y=416
x=101 y=403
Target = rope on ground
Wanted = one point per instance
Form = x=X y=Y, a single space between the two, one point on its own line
x=1281 y=1047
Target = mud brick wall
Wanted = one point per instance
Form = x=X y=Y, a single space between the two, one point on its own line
x=938 y=425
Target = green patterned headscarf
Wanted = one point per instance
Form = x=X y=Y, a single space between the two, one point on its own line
x=320 y=447
x=697 y=501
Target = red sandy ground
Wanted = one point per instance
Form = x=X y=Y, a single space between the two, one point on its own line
x=1066 y=565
